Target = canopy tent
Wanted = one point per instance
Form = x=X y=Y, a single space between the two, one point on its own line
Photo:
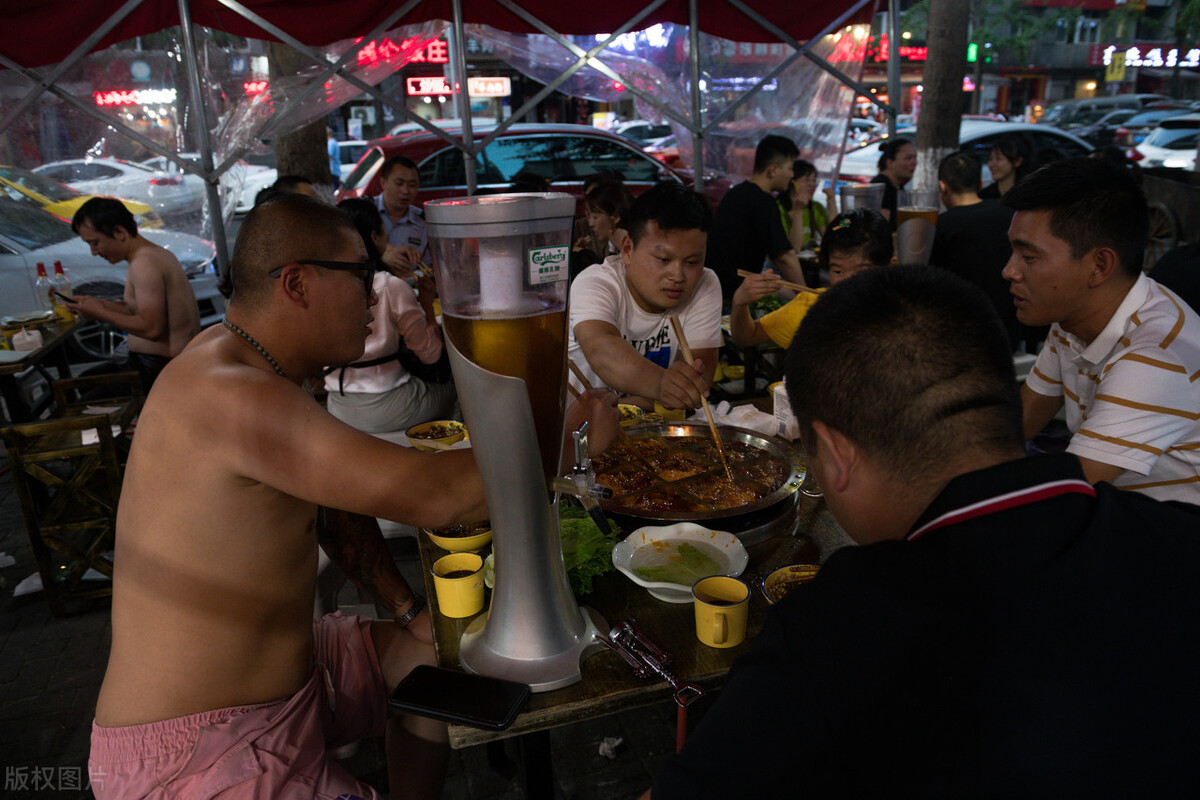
x=330 y=34
x=34 y=33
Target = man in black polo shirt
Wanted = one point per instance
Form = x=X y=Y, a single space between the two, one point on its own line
x=747 y=227
x=1006 y=629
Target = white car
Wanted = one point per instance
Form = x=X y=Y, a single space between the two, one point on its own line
x=29 y=235
x=167 y=194
x=976 y=136
x=349 y=152
x=641 y=132
x=1171 y=144
x=232 y=182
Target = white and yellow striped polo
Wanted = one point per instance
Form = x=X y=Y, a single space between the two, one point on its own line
x=1132 y=396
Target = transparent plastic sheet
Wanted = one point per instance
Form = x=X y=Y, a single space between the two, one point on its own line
x=255 y=118
x=144 y=85
x=803 y=102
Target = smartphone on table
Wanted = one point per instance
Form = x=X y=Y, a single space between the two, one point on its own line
x=62 y=296
x=459 y=697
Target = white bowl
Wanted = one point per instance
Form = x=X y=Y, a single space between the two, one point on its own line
x=647 y=547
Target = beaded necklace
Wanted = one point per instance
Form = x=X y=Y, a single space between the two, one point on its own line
x=262 y=351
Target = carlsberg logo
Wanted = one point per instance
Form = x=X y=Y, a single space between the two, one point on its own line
x=548 y=256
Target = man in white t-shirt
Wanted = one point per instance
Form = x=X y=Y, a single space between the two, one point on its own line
x=621 y=309
x=1123 y=352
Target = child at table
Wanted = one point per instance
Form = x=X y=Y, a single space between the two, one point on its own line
x=854 y=240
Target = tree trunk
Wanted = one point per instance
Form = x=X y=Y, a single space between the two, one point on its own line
x=942 y=97
x=302 y=151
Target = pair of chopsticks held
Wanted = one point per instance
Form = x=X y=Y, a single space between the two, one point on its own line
x=686 y=351
x=795 y=287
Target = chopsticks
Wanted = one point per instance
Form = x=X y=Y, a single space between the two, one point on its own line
x=796 y=287
x=712 y=424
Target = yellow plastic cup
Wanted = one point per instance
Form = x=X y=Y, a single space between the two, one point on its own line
x=721 y=604
x=458 y=581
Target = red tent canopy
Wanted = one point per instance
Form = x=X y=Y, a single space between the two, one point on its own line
x=36 y=33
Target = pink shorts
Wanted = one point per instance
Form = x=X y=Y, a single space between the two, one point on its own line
x=275 y=750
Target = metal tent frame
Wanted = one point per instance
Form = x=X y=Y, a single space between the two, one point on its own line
x=211 y=172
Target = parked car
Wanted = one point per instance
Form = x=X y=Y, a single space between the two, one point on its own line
x=975 y=136
x=564 y=154
x=29 y=235
x=232 y=182
x=114 y=177
x=1102 y=127
x=59 y=199
x=862 y=130
x=1138 y=127
x=1063 y=113
x=349 y=152
x=665 y=150
x=1171 y=144
x=641 y=132
x=444 y=123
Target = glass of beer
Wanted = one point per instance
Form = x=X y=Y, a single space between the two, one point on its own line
x=916 y=223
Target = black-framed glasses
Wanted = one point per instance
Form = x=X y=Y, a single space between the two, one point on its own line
x=368 y=268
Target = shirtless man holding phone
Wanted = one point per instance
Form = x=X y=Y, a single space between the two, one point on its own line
x=158 y=310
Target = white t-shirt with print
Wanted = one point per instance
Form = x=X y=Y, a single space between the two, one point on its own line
x=600 y=293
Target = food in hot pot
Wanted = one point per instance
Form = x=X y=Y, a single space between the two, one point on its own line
x=653 y=475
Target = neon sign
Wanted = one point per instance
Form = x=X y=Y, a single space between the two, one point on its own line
x=1155 y=57
x=134 y=97
x=427 y=52
x=491 y=87
x=254 y=87
x=424 y=87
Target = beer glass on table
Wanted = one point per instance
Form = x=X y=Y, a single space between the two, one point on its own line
x=916 y=222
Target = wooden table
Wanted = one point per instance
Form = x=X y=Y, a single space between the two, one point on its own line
x=609 y=685
x=55 y=336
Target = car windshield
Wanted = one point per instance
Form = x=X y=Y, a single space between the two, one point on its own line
x=44 y=186
x=30 y=226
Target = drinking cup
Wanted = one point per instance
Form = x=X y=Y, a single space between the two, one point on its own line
x=916 y=223
x=458 y=581
x=721 y=604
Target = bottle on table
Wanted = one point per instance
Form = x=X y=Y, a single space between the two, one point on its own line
x=62 y=284
x=43 y=286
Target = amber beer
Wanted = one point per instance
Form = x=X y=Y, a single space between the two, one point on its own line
x=906 y=213
x=531 y=347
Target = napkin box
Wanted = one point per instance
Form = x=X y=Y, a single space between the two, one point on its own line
x=785 y=421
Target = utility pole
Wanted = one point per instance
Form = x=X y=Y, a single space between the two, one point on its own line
x=942 y=97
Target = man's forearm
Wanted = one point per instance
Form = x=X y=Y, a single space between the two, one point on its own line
x=355 y=543
x=120 y=316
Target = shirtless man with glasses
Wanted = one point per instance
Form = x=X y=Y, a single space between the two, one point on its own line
x=219 y=680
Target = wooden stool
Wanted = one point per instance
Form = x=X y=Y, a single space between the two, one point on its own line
x=68 y=493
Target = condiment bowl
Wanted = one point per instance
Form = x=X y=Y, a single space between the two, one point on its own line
x=421 y=439
x=462 y=538
x=778 y=583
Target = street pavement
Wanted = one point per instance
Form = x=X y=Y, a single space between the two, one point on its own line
x=51 y=669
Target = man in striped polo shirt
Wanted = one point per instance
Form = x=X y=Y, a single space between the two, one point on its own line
x=1123 y=352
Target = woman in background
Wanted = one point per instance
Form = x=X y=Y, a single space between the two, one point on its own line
x=377 y=394
x=1007 y=163
x=804 y=218
x=897 y=163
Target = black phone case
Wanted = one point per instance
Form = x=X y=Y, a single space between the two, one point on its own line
x=459 y=697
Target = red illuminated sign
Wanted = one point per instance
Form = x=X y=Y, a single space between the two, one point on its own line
x=134 y=97
x=424 y=87
x=419 y=51
x=491 y=87
x=878 y=51
x=254 y=87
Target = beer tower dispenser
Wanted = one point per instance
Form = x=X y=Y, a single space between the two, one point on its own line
x=502 y=276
